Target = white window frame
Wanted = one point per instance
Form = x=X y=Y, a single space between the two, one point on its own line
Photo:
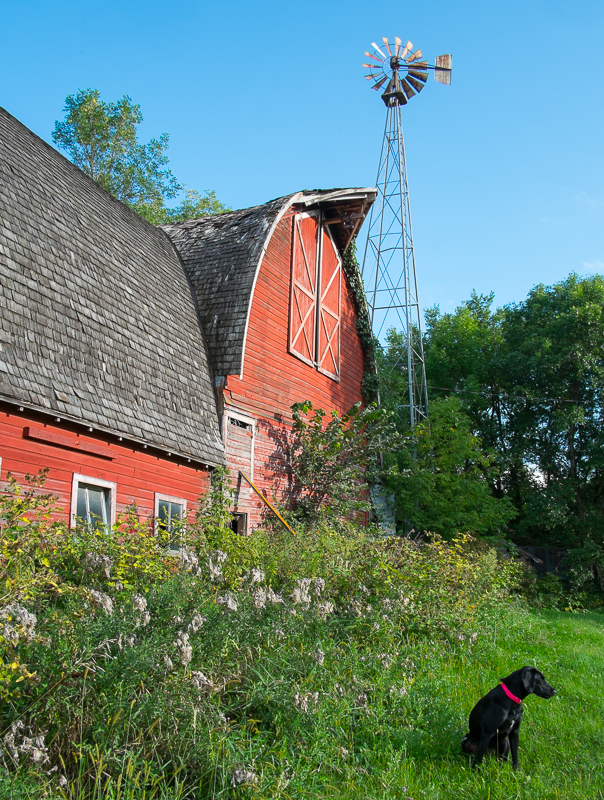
x=103 y=484
x=248 y=420
x=158 y=496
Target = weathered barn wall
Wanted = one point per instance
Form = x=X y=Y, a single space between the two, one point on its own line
x=137 y=473
x=273 y=379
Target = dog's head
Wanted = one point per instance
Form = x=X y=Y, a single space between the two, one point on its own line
x=534 y=683
x=468 y=745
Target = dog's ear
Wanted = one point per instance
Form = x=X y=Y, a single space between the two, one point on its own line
x=528 y=676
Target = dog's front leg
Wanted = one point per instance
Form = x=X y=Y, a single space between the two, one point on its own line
x=514 y=736
x=483 y=743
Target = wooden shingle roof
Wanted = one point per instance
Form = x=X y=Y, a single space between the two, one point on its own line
x=98 y=322
x=222 y=255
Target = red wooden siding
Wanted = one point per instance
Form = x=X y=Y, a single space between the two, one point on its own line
x=273 y=378
x=137 y=473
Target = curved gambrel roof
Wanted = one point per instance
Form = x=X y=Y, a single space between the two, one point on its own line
x=98 y=322
x=222 y=255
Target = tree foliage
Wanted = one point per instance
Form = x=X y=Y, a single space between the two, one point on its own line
x=101 y=139
x=333 y=457
x=531 y=378
x=442 y=477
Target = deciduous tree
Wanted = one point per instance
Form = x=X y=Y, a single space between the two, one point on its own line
x=101 y=139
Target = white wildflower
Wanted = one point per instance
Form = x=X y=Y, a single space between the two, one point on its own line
x=319 y=657
x=188 y=559
x=241 y=774
x=318 y=585
x=279 y=634
x=219 y=556
x=356 y=607
x=139 y=602
x=101 y=600
x=474 y=636
x=386 y=660
x=387 y=604
x=272 y=597
x=256 y=576
x=168 y=663
x=461 y=637
x=339 y=689
x=361 y=700
x=201 y=682
x=11 y=737
x=143 y=620
x=95 y=562
x=300 y=593
x=376 y=626
x=62 y=781
x=184 y=648
x=363 y=588
x=307 y=701
x=344 y=753
x=259 y=597
x=229 y=601
x=325 y=609
x=215 y=571
x=196 y=623
x=33 y=746
x=18 y=623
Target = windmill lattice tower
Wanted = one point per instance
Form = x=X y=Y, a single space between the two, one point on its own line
x=388 y=269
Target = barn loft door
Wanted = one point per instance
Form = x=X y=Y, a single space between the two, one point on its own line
x=328 y=338
x=303 y=305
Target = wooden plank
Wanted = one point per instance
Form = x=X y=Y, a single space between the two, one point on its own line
x=71 y=442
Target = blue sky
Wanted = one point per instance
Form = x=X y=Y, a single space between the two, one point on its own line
x=506 y=166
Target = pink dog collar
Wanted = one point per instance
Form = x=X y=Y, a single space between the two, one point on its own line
x=509 y=694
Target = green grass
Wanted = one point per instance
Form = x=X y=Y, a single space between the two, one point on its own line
x=561 y=753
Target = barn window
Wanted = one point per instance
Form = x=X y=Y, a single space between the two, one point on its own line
x=92 y=501
x=239 y=524
x=170 y=512
x=315 y=297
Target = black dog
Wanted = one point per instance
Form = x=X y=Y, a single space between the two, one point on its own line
x=495 y=719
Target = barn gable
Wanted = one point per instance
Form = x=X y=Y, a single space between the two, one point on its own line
x=223 y=255
x=98 y=322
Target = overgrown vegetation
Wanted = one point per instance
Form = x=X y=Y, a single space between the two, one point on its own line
x=265 y=666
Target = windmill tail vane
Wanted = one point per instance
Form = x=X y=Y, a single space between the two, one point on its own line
x=388 y=269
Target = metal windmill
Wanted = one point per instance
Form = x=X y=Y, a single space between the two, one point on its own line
x=389 y=263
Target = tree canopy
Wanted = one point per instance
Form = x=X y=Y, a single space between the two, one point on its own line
x=101 y=139
x=529 y=381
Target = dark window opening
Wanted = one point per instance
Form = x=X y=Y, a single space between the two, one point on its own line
x=239 y=524
x=240 y=423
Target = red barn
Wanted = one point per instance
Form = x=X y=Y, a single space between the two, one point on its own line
x=134 y=359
